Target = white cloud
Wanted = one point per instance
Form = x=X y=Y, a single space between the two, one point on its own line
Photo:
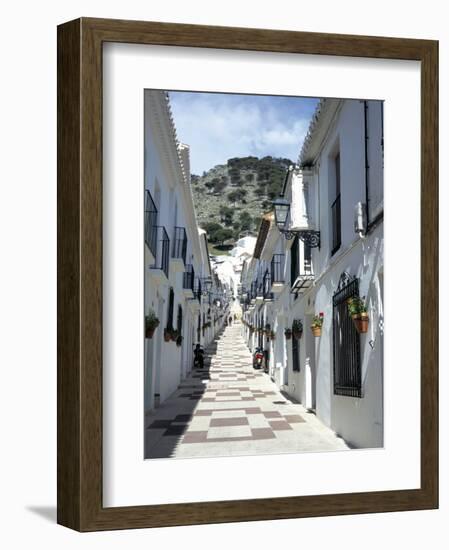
x=218 y=127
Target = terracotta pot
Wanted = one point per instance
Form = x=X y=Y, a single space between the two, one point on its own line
x=316 y=331
x=297 y=334
x=149 y=332
x=288 y=335
x=361 y=324
x=167 y=336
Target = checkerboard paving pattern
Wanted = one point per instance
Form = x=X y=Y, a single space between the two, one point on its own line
x=228 y=408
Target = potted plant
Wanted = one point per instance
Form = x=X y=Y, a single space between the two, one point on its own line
x=358 y=311
x=317 y=323
x=179 y=341
x=288 y=333
x=167 y=334
x=151 y=322
x=297 y=328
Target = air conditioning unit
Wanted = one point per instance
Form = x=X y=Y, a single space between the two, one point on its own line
x=360 y=218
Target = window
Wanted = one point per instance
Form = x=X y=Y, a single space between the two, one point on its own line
x=171 y=305
x=179 y=320
x=374 y=161
x=347 y=367
x=307 y=259
x=295 y=354
x=294 y=261
x=336 y=209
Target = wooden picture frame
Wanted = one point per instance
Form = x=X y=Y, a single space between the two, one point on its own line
x=80 y=274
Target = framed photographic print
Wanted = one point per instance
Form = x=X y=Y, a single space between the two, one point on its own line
x=247 y=289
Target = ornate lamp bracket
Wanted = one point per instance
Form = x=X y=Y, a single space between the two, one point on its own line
x=310 y=237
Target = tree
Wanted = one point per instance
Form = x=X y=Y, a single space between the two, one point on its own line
x=223 y=235
x=212 y=229
x=237 y=195
x=260 y=190
x=246 y=221
x=220 y=184
x=227 y=214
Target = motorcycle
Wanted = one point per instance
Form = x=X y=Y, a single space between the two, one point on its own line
x=258 y=359
x=198 y=358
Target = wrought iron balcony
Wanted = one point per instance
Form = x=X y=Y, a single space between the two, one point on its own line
x=188 y=278
x=179 y=249
x=302 y=275
x=197 y=291
x=162 y=249
x=253 y=291
x=150 y=223
x=267 y=294
x=277 y=272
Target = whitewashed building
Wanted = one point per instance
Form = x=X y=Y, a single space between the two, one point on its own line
x=180 y=286
x=334 y=251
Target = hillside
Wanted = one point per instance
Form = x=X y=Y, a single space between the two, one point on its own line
x=230 y=198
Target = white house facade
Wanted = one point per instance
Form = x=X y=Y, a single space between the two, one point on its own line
x=181 y=289
x=329 y=251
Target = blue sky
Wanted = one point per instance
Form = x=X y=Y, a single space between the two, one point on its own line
x=222 y=126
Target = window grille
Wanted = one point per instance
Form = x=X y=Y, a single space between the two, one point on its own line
x=347 y=366
x=171 y=305
x=295 y=354
x=336 y=209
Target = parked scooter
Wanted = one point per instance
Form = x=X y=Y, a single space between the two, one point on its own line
x=258 y=359
x=198 y=357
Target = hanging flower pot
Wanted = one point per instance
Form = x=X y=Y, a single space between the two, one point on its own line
x=167 y=335
x=357 y=307
x=149 y=332
x=297 y=329
x=317 y=323
x=361 y=323
x=174 y=335
x=151 y=323
x=288 y=333
x=179 y=341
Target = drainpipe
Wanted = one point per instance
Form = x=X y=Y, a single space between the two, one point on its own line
x=365 y=109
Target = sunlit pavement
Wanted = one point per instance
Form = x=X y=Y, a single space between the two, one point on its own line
x=228 y=409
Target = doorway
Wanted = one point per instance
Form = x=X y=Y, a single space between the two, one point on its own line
x=310 y=371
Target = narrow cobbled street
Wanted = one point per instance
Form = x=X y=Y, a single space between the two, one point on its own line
x=228 y=408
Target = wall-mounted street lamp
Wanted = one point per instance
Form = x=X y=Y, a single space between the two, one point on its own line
x=206 y=285
x=310 y=237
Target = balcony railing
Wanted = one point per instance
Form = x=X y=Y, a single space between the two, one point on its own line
x=267 y=294
x=336 y=224
x=162 y=249
x=253 y=290
x=179 y=250
x=277 y=268
x=301 y=268
x=197 y=289
x=150 y=222
x=188 y=278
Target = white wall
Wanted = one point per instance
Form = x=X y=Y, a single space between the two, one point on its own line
x=29 y=409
